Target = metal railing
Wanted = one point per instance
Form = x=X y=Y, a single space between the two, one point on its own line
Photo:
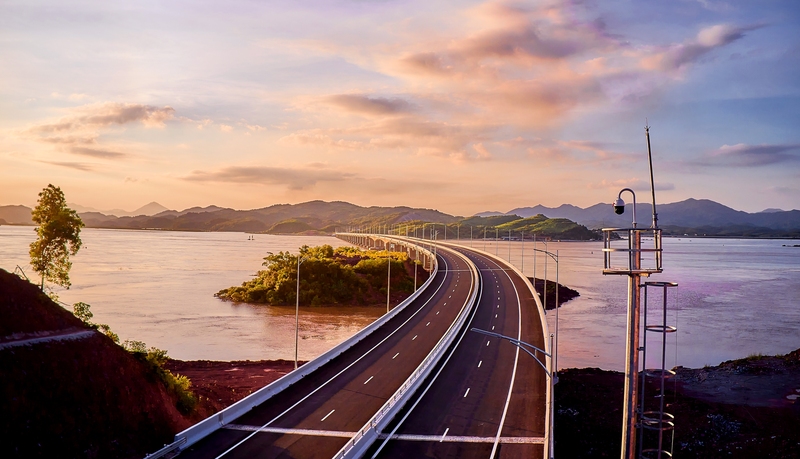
x=649 y=258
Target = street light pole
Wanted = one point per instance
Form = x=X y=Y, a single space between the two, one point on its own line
x=552 y=374
x=300 y=260
x=389 y=274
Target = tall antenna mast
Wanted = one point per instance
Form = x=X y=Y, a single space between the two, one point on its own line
x=652 y=184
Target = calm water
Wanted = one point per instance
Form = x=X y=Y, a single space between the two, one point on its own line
x=735 y=298
x=158 y=287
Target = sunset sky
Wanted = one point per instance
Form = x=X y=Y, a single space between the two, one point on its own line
x=460 y=106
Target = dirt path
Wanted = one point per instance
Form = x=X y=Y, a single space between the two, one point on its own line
x=58 y=336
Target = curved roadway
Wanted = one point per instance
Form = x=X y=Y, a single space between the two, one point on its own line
x=316 y=416
x=487 y=399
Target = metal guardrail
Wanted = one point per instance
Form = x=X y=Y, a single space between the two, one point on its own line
x=171 y=448
x=366 y=436
x=211 y=424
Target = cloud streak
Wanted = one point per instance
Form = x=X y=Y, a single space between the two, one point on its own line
x=97 y=116
x=293 y=178
x=708 y=39
x=743 y=155
x=97 y=153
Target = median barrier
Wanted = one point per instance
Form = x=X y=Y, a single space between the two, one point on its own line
x=366 y=436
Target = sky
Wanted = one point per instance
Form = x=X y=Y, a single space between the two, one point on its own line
x=460 y=106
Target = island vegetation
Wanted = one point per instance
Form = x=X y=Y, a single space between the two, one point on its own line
x=341 y=276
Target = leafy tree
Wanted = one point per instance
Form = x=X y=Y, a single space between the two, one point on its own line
x=58 y=236
x=83 y=311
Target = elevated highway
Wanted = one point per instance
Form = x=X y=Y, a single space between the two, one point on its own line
x=478 y=398
x=485 y=399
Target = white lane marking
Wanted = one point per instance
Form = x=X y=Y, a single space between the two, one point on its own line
x=427 y=324
x=441 y=284
x=467 y=392
x=495 y=316
x=370 y=379
x=395 y=356
x=452 y=296
x=444 y=434
x=437 y=313
x=415 y=337
x=479 y=363
x=513 y=372
x=487 y=343
x=326 y=416
x=430 y=383
x=492 y=327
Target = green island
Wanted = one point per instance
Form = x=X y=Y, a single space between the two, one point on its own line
x=341 y=276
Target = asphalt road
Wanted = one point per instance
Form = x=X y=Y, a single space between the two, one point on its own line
x=487 y=399
x=316 y=416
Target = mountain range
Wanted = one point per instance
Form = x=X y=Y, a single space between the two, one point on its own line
x=692 y=216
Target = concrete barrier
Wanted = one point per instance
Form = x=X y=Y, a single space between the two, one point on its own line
x=368 y=434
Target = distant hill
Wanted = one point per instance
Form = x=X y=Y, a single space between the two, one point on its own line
x=692 y=216
x=16 y=215
x=147 y=209
x=279 y=218
x=688 y=214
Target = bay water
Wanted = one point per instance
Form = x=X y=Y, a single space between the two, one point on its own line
x=735 y=297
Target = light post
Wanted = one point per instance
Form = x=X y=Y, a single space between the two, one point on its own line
x=300 y=260
x=509 y=246
x=554 y=256
x=635 y=271
x=552 y=375
x=389 y=249
x=631 y=393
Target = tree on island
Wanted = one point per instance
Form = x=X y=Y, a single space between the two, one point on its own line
x=58 y=237
x=345 y=275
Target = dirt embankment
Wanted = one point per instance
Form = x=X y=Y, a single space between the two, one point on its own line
x=221 y=384
x=84 y=397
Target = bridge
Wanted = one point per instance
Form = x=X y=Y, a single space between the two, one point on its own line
x=416 y=383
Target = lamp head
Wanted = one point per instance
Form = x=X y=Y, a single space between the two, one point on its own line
x=619 y=206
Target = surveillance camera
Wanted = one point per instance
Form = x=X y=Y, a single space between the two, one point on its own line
x=619 y=207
